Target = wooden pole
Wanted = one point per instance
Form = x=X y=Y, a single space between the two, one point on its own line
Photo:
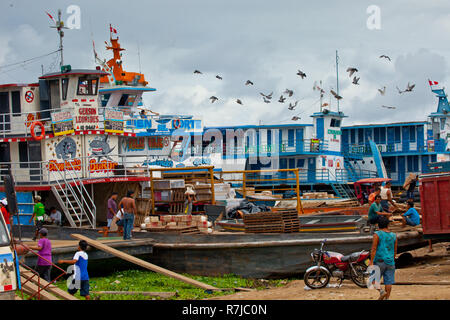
x=297 y=190
x=152 y=191
x=244 y=183
x=211 y=175
x=143 y=263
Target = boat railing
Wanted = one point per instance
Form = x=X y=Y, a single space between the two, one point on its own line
x=395 y=147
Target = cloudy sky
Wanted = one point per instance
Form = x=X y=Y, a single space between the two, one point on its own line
x=261 y=40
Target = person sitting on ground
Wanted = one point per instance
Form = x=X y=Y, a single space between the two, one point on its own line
x=373 y=195
x=55 y=216
x=382 y=254
x=81 y=276
x=376 y=211
x=38 y=214
x=44 y=262
x=386 y=197
x=411 y=217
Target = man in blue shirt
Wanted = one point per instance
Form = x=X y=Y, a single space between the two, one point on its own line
x=411 y=217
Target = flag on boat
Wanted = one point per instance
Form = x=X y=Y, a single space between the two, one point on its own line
x=432 y=83
x=112 y=30
x=50 y=16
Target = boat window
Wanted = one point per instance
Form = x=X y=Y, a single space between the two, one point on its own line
x=64 y=86
x=23 y=154
x=15 y=98
x=300 y=163
x=335 y=123
x=87 y=86
x=397 y=138
x=383 y=135
x=55 y=99
x=442 y=123
x=412 y=133
x=105 y=99
x=352 y=136
x=127 y=100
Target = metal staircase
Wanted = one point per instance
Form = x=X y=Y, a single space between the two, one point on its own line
x=74 y=199
x=351 y=172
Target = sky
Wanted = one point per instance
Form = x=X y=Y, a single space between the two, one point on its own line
x=258 y=40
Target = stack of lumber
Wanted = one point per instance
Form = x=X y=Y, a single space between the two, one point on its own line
x=317 y=195
x=178 y=223
x=203 y=191
x=283 y=221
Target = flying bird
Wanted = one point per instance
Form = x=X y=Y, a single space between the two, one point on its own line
x=385 y=56
x=387 y=107
x=295 y=118
x=301 y=74
x=409 y=88
x=198 y=72
x=351 y=71
x=213 y=99
x=219 y=77
x=292 y=106
x=269 y=96
x=382 y=91
x=355 y=80
x=265 y=100
x=289 y=92
x=248 y=82
x=399 y=91
x=335 y=95
x=281 y=100
x=239 y=102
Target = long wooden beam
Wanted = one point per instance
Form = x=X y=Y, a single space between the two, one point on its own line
x=143 y=263
x=144 y=293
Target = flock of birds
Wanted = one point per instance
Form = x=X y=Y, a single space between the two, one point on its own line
x=267 y=98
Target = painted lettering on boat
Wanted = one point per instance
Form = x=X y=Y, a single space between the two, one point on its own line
x=102 y=166
x=54 y=165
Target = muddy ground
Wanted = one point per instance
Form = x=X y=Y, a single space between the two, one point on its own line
x=423 y=266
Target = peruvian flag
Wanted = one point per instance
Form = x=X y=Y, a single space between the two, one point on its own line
x=50 y=16
x=112 y=30
x=432 y=83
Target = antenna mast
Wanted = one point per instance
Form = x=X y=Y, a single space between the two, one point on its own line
x=59 y=25
x=337 y=78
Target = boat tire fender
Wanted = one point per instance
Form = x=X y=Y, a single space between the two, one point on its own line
x=33 y=133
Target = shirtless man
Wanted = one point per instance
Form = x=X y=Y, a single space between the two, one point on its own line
x=129 y=208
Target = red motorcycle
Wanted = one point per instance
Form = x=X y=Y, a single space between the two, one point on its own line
x=333 y=264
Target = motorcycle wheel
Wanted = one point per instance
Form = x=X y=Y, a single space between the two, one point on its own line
x=359 y=275
x=316 y=279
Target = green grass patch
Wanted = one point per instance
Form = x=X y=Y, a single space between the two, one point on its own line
x=139 y=280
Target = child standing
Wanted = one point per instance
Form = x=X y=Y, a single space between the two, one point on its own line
x=382 y=254
x=81 y=276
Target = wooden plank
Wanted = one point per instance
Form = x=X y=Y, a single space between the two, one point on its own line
x=143 y=263
x=144 y=293
x=422 y=283
x=30 y=288
x=51 y=289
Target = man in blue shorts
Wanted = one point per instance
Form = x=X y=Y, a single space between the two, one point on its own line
x=81 y=276
x=382 y=254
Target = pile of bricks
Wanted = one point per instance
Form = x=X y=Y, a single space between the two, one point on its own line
x=178 y=223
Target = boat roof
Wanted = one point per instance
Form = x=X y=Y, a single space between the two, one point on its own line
x=74 y=72
x=125 y=89
x=373 y=180
x=18 y=85
x=384 y=124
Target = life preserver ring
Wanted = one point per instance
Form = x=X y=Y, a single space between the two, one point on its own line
x=33 y=134
x=176 y=123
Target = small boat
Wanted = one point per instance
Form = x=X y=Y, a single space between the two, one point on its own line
x=316 y=223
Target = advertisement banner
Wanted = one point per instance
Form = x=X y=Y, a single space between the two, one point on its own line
x=114 y=121
x=62 y=123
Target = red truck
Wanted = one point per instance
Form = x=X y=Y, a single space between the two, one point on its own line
x=434 y=191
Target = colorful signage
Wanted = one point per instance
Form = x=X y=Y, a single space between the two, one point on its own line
x=86 y=118
x=114 y=121
x=62 y=123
